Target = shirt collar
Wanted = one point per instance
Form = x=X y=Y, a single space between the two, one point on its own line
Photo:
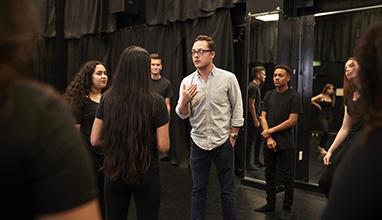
x=212 y=73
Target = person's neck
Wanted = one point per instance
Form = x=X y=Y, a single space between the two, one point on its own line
x=282 y=89
x=95 y=94
x=257 y=82
x=205 y=71
x=155 y=76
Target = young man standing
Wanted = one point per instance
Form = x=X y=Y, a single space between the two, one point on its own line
x=279 y=115
x=162 y=86
x=254 y=139
x=210 y=97
x=159 y=83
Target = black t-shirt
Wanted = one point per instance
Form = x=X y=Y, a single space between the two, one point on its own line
x=278 y=106
x=45 y=166
x=357 y=124
x=254 y=93
x=160 y=117
x=162 y=86
x=84 y=112
x=356 y=191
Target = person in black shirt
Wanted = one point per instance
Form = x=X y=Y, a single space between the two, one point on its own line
x=132 y=125
x=83 y=95
x=279 y=115
x=159 y=83
x=356 y=191
x=325 y=102
x=45 y=169
x=351 y=126
x=254 y=140
x=162 y=86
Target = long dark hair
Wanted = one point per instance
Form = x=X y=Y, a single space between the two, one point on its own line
x=128 y=111
x=79 y=87
x=369 y=56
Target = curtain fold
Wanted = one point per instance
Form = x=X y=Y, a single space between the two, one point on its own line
x=337 y=35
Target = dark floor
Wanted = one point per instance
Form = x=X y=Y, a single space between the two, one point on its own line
x=176 y=191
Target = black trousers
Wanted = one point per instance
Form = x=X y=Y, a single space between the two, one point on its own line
x=324 y=122
x=146 y=196
x=254 y=145
x=285 y=161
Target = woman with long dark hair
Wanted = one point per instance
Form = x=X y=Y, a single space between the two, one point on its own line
x=356 y=191
x=132 y=125
x=325 y=102
x=351 y=125
x=83 y=95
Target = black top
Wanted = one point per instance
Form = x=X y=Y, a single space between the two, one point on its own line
x=356 y=191
x=278 y=106
x=162 y=86
x=254 y=93
x=326 y=110
x=45 y=167
x=84 y=112
x=356 y=119
x=160 y=117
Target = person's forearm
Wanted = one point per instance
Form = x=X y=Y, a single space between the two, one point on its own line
x=283 y=126
x=340 y=137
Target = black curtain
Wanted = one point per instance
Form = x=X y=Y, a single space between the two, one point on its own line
x=337 y=35
x=170 y=11
x=263 y=41
x=87 y=17
x=47 y=13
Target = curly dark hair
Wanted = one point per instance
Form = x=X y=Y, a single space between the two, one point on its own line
x=79 y=87
x=128 y=113
x=369 y=56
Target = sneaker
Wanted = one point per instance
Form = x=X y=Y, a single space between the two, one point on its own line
x=266 y=208
x=286 y=214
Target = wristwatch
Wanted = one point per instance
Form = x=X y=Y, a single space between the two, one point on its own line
x=233 y=135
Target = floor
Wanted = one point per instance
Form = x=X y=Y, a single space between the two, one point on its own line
x=176 y=190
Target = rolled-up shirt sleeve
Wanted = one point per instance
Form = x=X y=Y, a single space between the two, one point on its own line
x=237 y=119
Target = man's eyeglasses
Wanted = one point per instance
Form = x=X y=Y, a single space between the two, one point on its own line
x=199 y=52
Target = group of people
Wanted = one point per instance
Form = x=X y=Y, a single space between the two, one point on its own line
x=49 y=174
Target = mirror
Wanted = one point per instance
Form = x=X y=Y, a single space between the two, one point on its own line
x=262 y=45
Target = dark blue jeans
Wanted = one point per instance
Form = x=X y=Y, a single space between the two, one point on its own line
x=200 y=160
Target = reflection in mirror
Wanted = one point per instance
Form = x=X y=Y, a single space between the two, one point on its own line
x=262 y=45
x=327 y=113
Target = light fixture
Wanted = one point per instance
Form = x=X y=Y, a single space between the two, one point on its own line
x=346 y=10
x=267 y=16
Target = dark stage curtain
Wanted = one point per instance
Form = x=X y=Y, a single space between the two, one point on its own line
x=89 y=47
x=47 y=12
x=87 y=17
x=263 y=42
x=170 y=11
x=337 y=35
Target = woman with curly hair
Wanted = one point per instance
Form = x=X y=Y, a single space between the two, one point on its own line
x=356 y=191
x=83 y=95
x=132 y=125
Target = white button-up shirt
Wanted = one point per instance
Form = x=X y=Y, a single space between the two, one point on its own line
x=215 y=108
